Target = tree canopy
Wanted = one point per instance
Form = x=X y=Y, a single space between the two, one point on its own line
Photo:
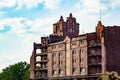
x=18 y=71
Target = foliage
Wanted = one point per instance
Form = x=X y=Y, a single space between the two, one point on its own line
x=18 y=71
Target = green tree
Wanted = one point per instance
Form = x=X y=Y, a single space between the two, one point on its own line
x=18 y=71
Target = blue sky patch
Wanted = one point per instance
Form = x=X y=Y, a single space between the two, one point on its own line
x=5 y=29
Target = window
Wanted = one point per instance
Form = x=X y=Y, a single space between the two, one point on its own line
x=92 y=51
x=98 y=51
x=74 y=53
x=61 y=62
x=74 y=71
x=82 y=70
x=92 y=42
x=57 y=28
x=92 y=60
x=44 y=65
x=81 y=42
x=38 y=75
x=38 y=58
x=54 y=72
x=60 y=54
x=38 y=65
x=74 y=60
x=81 y=60
x=71 y=30
x=61 y=72
x=92 y=71
x=54 y=55
x=44 y=50
x=38 y=50
x=53 y=47
x=81 y=51
x=54 y=63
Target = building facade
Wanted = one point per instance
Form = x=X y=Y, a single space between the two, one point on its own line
x=66 y=55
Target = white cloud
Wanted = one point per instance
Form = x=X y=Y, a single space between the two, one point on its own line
x=115 y=3
x=1 y=27
x=30 y=30
x=51 y=4
x=7 y=3
x=90 y=6
x=88 y=12
x=1 y=38
x=15 y=23
x=96 y=5
x=28 y=3
x=12 y=58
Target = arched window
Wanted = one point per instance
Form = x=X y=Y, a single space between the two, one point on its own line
x=38 y=50
x=54 y=55
x=38 y=58
x=37 y=65
x=54 y=72
x=82 y=70
x=61 y=72
x=81 y=51
x=74 y=71
x=60 y=54
x=81 y=60
x=73 y=52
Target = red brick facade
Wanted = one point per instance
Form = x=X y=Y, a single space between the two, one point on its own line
x=67 y=55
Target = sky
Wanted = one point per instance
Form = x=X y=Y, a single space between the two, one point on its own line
x=23 y=22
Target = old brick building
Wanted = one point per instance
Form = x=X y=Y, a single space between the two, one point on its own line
x=67 y=55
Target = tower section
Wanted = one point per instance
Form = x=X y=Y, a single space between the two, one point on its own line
x=72 y=26
x=66 y=28
x=59 y=27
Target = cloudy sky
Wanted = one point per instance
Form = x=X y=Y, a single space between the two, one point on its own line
x=23 y=22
